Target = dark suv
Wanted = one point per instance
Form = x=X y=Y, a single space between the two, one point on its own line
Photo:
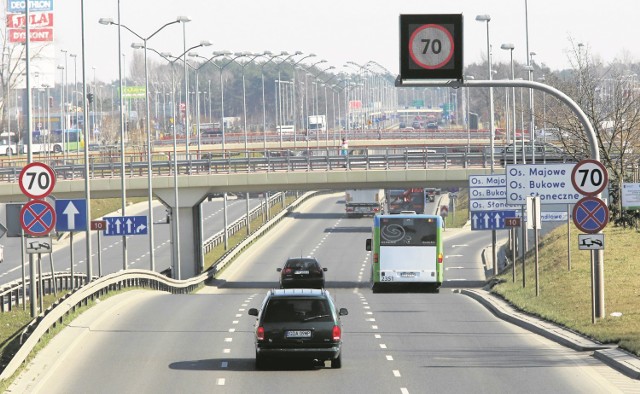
x=298 y=323
x=304 y=272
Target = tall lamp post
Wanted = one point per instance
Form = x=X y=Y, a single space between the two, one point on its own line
x=279 y=93
x=175 y=212
x=510 y=47
x=492 y=130
x=108 y=21
x=264 y=103
x=251 y=57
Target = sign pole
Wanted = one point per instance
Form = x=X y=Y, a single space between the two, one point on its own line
x=535 y=241
x=513 y=253
x=593 y=289
x=40 y=283
x=73 y=282
x=32 y=287
x=53 y=275
x=568 y=237
x=523 y=228
x=24 y=272
x=99 y=257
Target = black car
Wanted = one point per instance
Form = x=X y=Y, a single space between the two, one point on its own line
x=302 y=272
x=298 y=324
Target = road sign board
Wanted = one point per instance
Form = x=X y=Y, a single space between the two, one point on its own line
x=590 y=215
x=589 y=177
x=99 y=225
x=126 y=225
x=431 y=46
x=490 y=220
x=36 y=180
x=553 y=216
x=533 y=204
x=488 y=192
x=71 y=215
x=590 y=241
x=512 y=222
x=38 y=245
x=631 y=196
x=37 y=218
x=14 y=228
x=550 y=182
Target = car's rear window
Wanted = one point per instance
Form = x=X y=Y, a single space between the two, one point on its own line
x=301 y=264
x=297 y=309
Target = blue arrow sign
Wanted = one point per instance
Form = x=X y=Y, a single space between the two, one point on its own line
x=71 y=215
x=490 y=220
x=126 y=225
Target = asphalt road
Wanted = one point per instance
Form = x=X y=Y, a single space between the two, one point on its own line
x=145 y=341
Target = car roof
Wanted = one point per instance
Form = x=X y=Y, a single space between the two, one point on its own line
x=320 y=293
x=302 y=259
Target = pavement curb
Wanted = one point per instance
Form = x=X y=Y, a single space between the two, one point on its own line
x=611 y=355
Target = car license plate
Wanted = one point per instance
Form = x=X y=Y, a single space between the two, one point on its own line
x=301 y=273
x=298 y=334
x=408 y=274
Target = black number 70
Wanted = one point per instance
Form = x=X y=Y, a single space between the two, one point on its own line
x=436 y=46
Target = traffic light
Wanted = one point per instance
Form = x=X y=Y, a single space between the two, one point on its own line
x=90 y=97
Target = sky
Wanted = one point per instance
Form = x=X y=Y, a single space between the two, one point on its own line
x=339 y=31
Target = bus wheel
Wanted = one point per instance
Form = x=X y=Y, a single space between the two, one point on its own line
x=375 y=288
x=9 y=151
x=57 y=149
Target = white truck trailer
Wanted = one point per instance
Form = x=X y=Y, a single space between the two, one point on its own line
x=359 y=203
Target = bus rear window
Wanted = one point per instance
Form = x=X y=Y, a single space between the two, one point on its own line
x=408 y=232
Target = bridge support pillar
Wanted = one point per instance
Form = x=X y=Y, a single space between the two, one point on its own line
x=189 y=229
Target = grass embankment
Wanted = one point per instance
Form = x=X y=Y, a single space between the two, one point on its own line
x=458 y=217
x=565 y=295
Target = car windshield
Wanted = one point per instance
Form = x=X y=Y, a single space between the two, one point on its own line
x=296 y=310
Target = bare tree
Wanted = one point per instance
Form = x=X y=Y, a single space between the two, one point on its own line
x=607 y=94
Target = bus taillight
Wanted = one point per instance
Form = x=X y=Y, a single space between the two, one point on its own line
x=439 y=258
x=375 y=258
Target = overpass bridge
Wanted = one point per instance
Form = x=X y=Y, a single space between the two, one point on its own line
x=249 y=171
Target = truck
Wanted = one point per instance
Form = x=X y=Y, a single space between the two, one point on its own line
x=359 y=203
x=405 y=200
x=317 y=123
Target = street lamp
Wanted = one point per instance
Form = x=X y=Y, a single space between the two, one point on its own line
x=487 y=18
x=75 y=96
x=510 y=47
x=264 y=104
x=279 y=92
x=108 y=21
x=175 y=210
x=251 y=57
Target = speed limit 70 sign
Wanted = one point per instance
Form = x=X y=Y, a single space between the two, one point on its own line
x=37 y=180
x=589 y=177
x=431 y=46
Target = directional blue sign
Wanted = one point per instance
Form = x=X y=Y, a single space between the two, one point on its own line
x=490 y=220
x=125 y=225
x=71 y=215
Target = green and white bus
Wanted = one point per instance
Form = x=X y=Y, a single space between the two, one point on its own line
x=407 y=250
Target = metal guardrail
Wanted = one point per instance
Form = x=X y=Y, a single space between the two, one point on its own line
x=125 y=279
x=327 y=159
